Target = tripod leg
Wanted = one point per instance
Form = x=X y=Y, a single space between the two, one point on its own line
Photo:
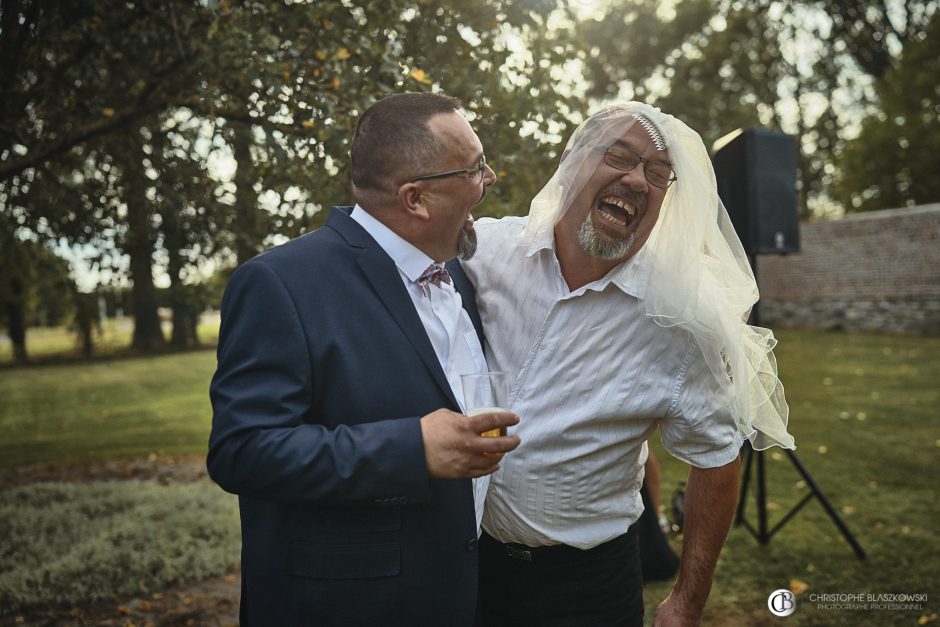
x=833 y=514
x=762 y=536
x=745 y=480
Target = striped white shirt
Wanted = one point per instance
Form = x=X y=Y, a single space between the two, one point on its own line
x=592 y=378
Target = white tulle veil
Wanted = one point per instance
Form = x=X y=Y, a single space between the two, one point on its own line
x=699 y=275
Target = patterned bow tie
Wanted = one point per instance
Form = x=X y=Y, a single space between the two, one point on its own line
x=435 y=275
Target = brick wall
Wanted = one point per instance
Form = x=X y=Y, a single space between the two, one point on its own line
x=877 y=271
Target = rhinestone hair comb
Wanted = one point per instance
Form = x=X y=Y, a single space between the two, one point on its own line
x=651 y=130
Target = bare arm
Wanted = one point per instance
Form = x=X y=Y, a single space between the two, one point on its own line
x=654 y=481
x=711 y=495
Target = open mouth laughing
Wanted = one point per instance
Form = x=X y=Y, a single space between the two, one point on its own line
x=617 y=211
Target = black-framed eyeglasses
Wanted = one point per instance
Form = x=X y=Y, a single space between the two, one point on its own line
x=658 y=173
x=477 y=170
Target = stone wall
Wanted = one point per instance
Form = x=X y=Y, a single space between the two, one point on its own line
x=877 y=271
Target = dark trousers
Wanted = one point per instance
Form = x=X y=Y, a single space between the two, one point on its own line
x=561 y=586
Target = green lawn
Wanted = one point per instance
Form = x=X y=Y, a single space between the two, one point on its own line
x=131 y=407
x=863 y=411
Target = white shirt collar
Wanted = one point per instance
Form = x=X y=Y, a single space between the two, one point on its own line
x=410 y=260
x=631 y=276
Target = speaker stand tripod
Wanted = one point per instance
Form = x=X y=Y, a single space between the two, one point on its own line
x=762 y=533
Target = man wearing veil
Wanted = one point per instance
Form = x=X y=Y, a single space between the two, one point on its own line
x=618 y=305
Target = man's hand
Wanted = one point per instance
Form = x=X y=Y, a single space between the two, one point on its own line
x=453 y=446
x=670 y=613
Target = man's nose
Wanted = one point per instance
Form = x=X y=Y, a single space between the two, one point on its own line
x=489 y=176
x=635 y=179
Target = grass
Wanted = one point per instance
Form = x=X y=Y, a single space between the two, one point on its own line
x=863 y=411
x=106 y=409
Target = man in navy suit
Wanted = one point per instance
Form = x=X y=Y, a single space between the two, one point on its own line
x=336 y=396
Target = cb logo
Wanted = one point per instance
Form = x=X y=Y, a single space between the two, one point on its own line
x=781 y=602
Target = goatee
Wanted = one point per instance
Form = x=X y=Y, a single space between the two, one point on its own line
x=467 y=244
x=602 y=248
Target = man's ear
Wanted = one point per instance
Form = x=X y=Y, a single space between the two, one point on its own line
x=412 y=198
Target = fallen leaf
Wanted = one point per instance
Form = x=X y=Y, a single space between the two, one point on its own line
x=107 y=112
x=342 y=54
x=798 y=587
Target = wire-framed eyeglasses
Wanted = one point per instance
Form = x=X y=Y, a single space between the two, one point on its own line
x=475 y=170
x=658 y=173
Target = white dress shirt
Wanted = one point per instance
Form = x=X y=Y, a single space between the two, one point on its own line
x=440 y=308
x=591 y=379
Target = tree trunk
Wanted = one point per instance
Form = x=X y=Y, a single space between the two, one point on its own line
x=16 y=320
x=139 y=246
x=85 y=316
x=179 y=302
x=247 y=228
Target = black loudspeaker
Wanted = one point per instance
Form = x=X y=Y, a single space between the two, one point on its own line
x=756 y=172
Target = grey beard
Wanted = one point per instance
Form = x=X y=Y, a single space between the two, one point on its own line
x=467 y=244
x=601 y=248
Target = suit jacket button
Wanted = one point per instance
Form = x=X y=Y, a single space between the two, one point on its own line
x=472 y=544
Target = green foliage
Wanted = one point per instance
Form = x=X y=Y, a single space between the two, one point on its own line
x=116 y=115
x=892 y=163
x=68 y=543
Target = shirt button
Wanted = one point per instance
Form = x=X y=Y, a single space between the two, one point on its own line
x=472 y=544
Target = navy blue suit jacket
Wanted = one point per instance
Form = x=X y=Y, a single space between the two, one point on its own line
x=324 y=370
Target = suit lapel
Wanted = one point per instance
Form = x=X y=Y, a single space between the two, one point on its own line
x=380 y=271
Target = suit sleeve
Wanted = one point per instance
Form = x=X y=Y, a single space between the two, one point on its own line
x=267 y=441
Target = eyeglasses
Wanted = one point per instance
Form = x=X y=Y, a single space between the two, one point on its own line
x=476 y=170
x=657 y=173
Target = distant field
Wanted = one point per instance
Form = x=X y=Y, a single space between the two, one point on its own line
x=58 y=343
